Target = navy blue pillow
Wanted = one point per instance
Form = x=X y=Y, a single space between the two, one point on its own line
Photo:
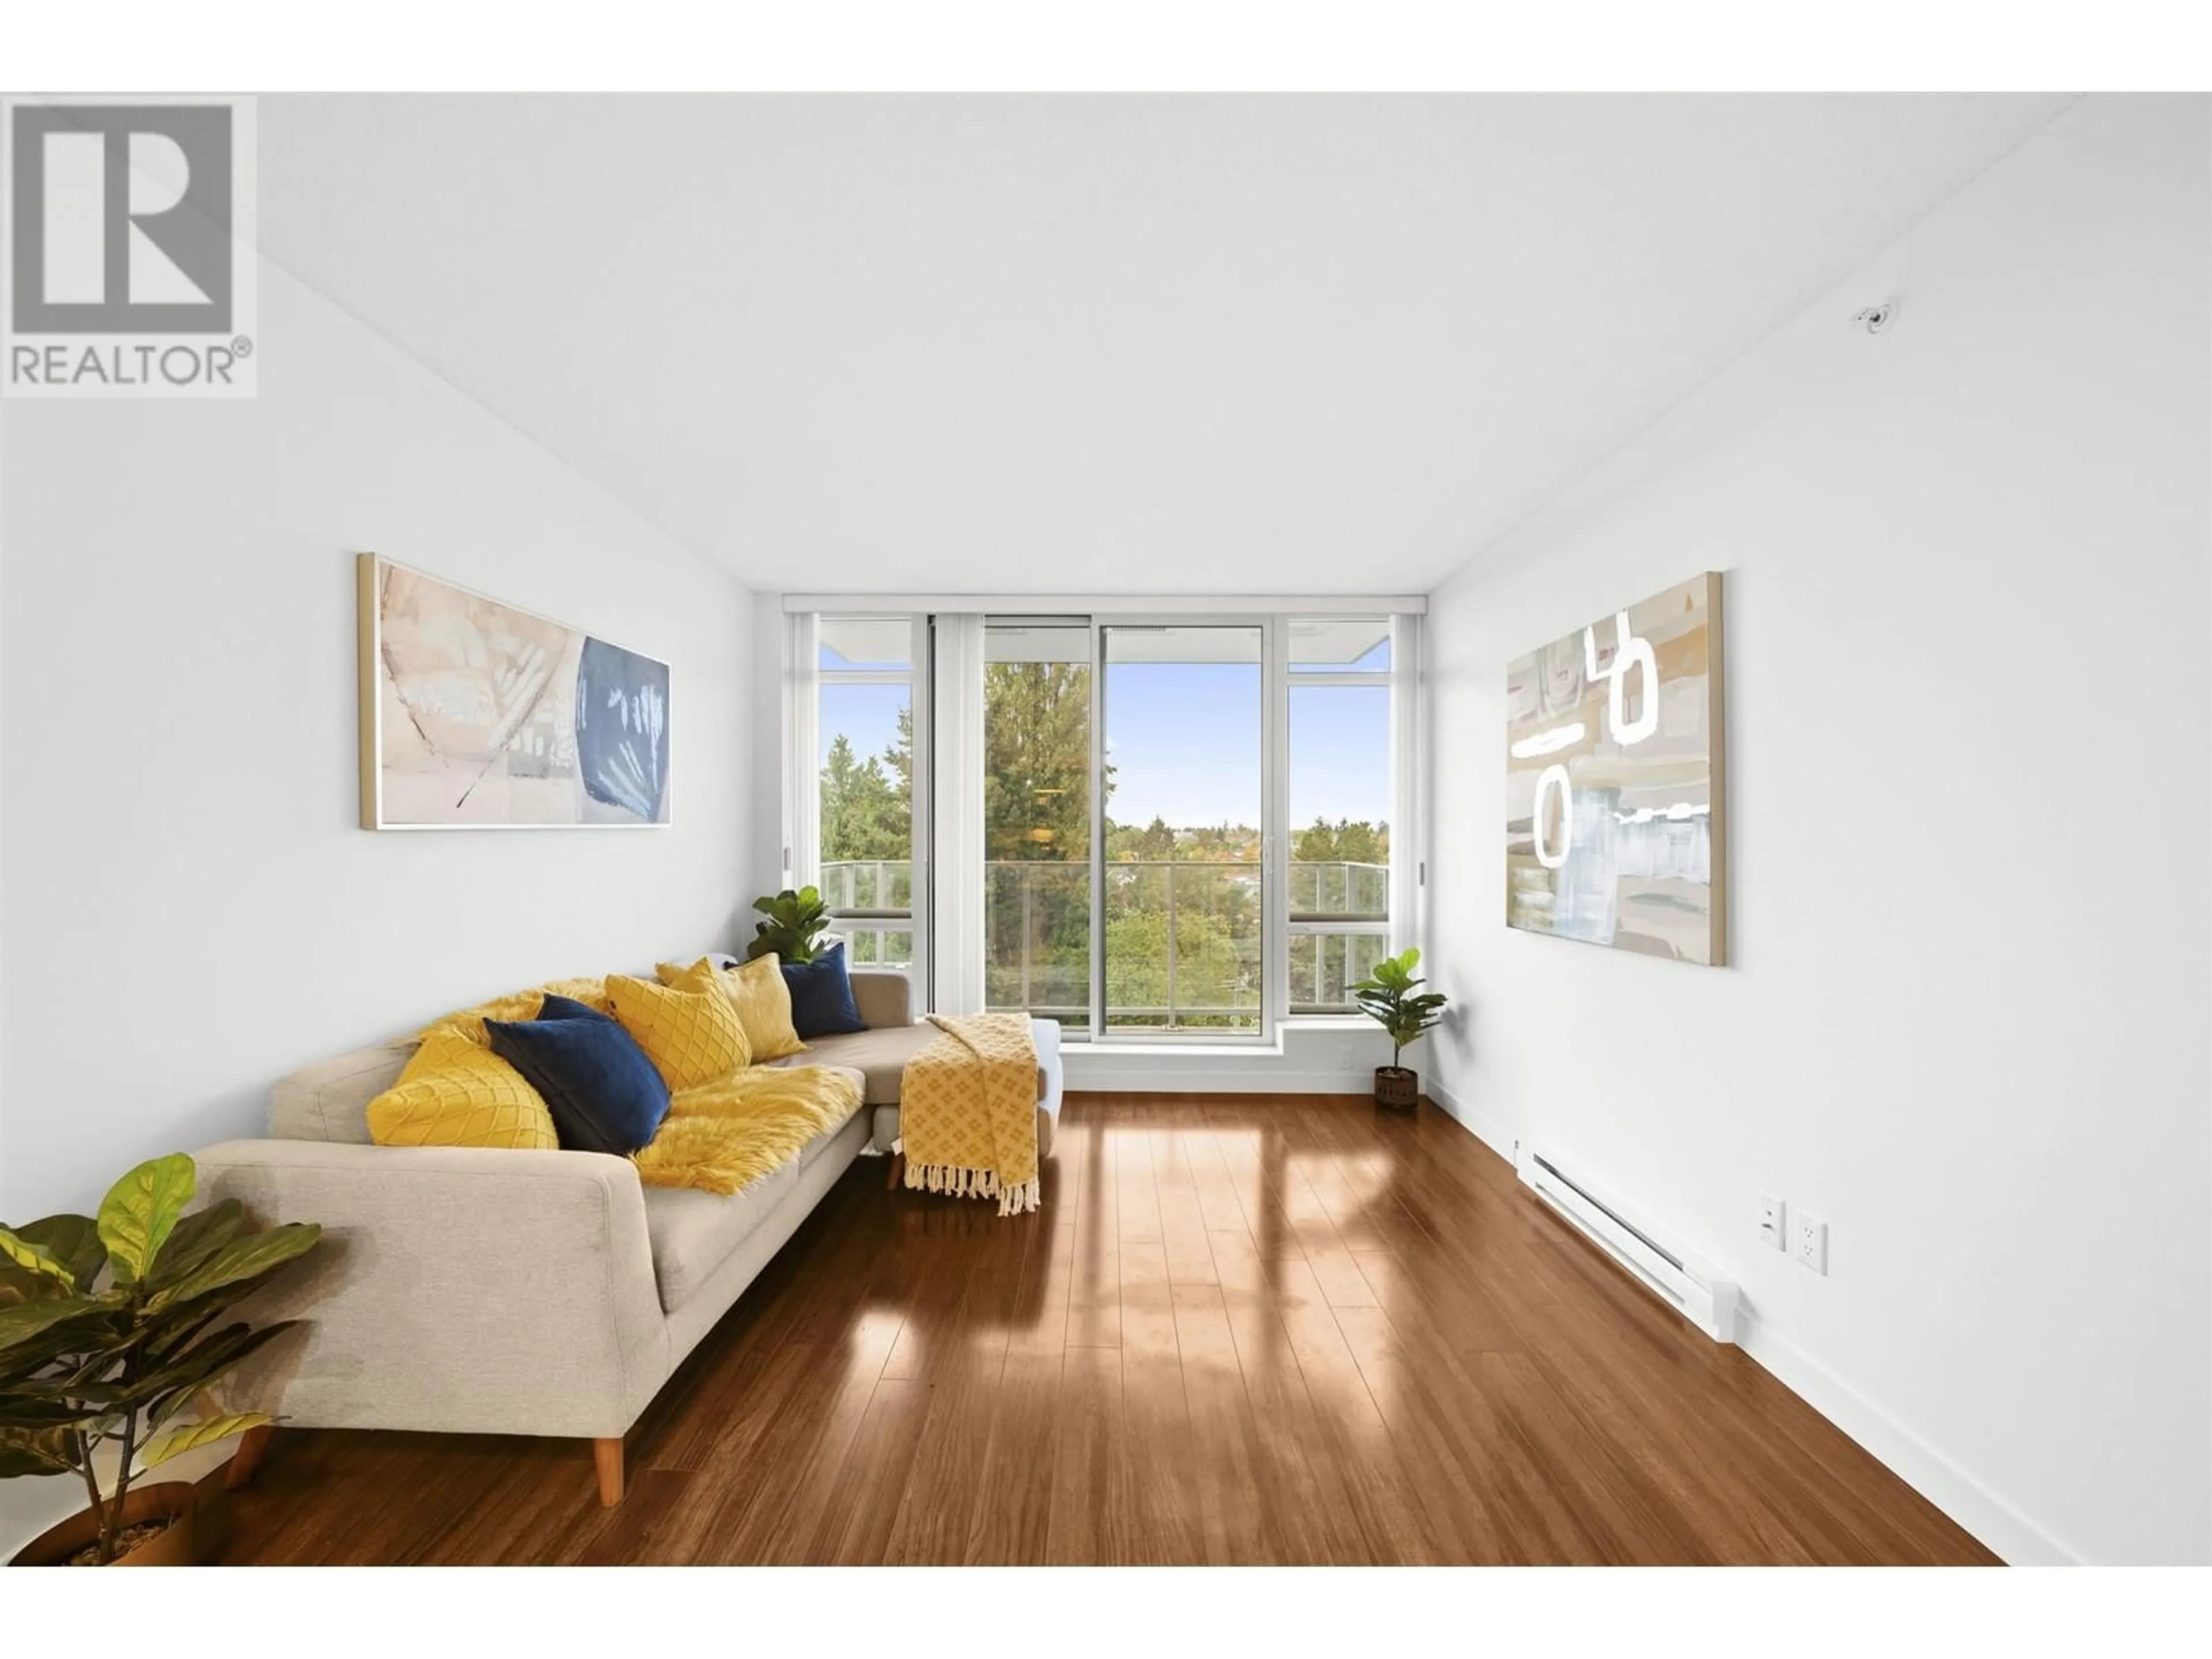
x=604 y=1094
x=822 y=996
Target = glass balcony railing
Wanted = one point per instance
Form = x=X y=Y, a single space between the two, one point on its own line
x=869 y=887
x=1183 y=936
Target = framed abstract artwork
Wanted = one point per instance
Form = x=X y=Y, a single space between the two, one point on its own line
x=477 y=716
x=1616 y=808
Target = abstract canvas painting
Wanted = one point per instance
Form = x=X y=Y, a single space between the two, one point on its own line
x=477 y=716
x=1616 y=828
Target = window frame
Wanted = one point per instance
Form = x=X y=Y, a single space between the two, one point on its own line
x=803 y=851
x=1395 y=680
x=1071 y=623
x=1274 y=964
x=1408 y=869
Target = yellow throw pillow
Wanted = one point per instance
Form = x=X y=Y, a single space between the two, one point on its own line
x=455 y=1094
x=692 y=1035
x=755 y=989
x=763 y=1001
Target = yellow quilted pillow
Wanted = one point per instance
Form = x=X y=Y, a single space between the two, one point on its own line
x=692 y=1036
x=757 y=991
x=455 y=1094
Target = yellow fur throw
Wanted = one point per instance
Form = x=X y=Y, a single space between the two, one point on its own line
x=521 y=1005
x=721 y=1137
x=968 y=1106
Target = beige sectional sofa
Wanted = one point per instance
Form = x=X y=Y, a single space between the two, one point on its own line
x=472 y=1290
x=880 y=1055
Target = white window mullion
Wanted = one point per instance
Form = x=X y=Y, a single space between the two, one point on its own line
x=1409 y=804
x=956 y=833
x=1097 y=831
x=921 y=702
x=801 y=861
x=1275 y=827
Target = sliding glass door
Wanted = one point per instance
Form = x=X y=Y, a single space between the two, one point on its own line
x=1124 y=815
x=1179 y=882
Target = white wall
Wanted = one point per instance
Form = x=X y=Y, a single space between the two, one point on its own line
x=1966 y=605
x=769 y=729
x=190 y=909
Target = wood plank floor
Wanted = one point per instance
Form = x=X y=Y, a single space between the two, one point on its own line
x=1242 y=1329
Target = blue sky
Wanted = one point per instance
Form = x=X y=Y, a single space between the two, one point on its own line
x=1184 y=739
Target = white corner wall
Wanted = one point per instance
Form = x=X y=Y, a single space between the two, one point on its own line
x=1967 y=596
x=188 y=909
x=771 y=731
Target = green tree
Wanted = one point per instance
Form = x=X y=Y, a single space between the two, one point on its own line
x=1347 y=840
x=865 y=816
x=1037 y=761
x=1037 y=832
x=1222 y=844
x=1361 y=843
x=1210 y=971
x=899 y=756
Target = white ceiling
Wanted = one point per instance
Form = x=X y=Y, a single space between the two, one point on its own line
x=1095 y=343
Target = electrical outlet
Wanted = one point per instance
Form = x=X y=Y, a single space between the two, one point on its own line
x=1770 y=1227
x=1344 y=1057
x=1811 y=1243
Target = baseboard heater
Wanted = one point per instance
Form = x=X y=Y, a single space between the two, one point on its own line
x=1708 y=1303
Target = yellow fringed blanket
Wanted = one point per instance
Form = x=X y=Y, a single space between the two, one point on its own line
x=968 y=1106
x=720 y=1137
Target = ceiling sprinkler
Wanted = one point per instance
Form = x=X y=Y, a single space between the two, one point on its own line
x=1876 y=317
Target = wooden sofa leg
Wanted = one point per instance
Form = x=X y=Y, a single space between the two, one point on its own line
x=607 y=1457
x=252 y=1445
x=898 y=1168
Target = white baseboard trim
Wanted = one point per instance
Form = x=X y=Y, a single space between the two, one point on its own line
x=1490 y=1131
x=2014 y=1538
x=2011 y=1535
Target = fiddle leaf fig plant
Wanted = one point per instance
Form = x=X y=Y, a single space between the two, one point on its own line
x=1391 y=997
x=110 y=1330
x=794 y=925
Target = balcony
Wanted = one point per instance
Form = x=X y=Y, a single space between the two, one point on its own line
x=1183 y=936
